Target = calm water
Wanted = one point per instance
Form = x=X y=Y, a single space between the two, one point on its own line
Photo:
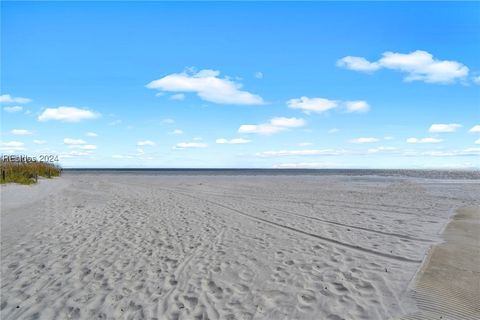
x=431 y=174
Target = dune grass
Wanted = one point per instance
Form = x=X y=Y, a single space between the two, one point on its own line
x=27 y=172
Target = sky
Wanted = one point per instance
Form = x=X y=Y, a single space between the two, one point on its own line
x=242 y=84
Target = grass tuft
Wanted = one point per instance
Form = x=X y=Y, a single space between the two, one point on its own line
x=27 y=172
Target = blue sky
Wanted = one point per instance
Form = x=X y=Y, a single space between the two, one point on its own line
x=253 y=84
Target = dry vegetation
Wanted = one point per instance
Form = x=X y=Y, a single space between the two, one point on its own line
x=27 y=172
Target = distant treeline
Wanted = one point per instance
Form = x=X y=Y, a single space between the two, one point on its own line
x=27 y=172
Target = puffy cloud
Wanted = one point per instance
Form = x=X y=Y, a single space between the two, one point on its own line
x=287 y=122
x=319 y=105
x=67 y=114
x=452 y=127
x=358 y=64
x=13 y=109
x=21 y=132
x=6 y=98
x=308 y=105
x=357 y=106
x=312 y=152
x=258 y=75
x=477 y=141
x=265 y=128
x=475 y=129
x=275 y=125
x=145 y=143
x=424 y=140
x=12 y=146
x=418 y=66
x=91 y=134
x=232 y=141
x=364 y=140
x=208 y=86
x=185 y=145
x=73 y=142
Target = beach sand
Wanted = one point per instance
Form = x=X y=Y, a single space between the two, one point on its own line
x=137 y=246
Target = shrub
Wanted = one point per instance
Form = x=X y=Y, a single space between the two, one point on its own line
x=27 y=172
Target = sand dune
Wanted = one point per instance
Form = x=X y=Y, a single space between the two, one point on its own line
x=106 y=246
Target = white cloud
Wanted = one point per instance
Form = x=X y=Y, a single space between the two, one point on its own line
x=75 y=153
x=259 y=75
x=78 y=144
x=275 y=125
x=476 y=80
x=357 y=106
x=418 y=66
x=176 y=131
x=475 y=129
x=6 y=98
x=12 y=146
x=388 y=138
x=185 y=145
x=21 y=132
x=39 y=141
x=334 y=130
x=381 y=149
x=424 y=140
x=477 y=141
x=447 y=153
x=208 y=86
x=13 y=109
x=358 y=64
x=364 y=140
x=86 y=147
x=260 y=128
x=67 y=114
x=73 y=142
x=287 y=122
x=232 y=141
x=306 y=165
x=91 y=134
x=178 y=97
x=452 y=127
x=307 y=105
x=145 y=143
x=287 y=153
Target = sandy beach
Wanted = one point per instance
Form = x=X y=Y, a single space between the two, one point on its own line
x=139 y=246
